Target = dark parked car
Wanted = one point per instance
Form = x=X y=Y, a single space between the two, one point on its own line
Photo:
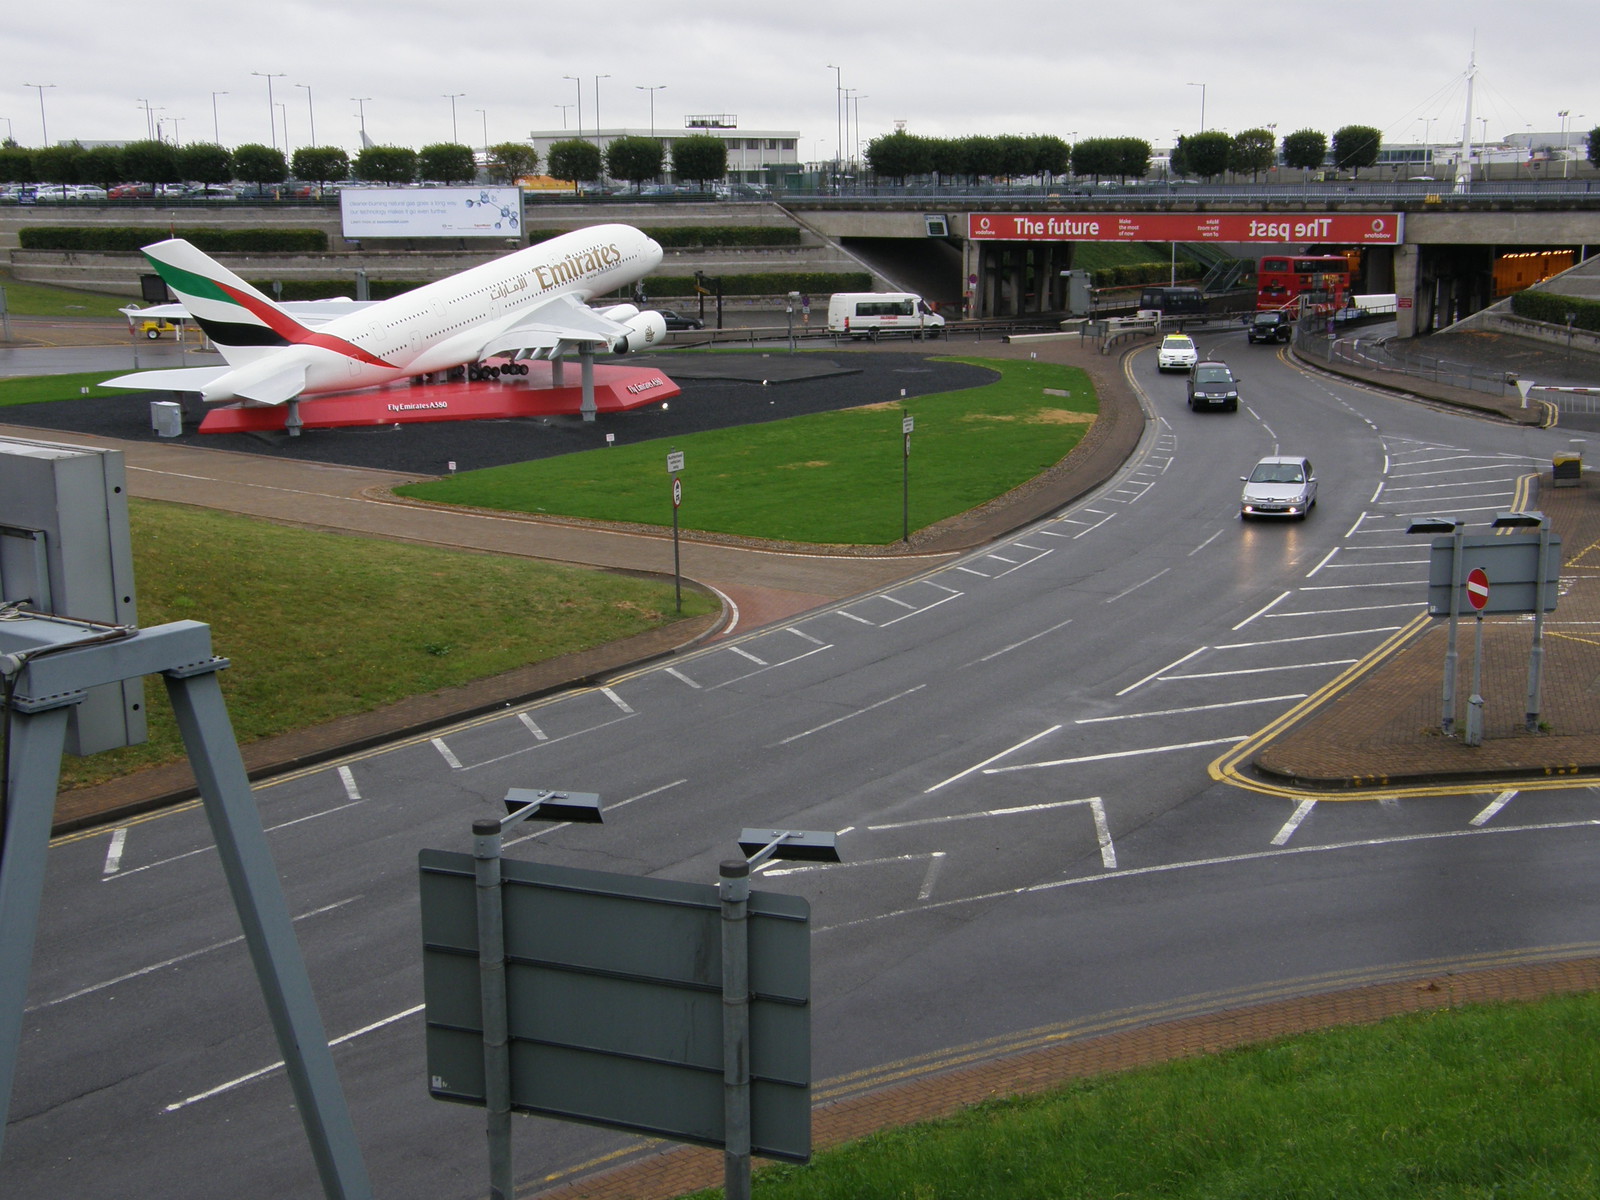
x=676 y=321
x=1269 y=327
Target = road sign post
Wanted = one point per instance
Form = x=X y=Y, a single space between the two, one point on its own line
x=907 y=424
x=675 y=469
x=1477 y=589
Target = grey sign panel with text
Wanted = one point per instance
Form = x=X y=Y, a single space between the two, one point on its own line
x=614 y=989
x=1512 y=565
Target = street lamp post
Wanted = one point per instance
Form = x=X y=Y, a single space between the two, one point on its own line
x=1564 y=114
x=597 y=80
x=484 y=113
x=272 y=112
x=579 y=84
x=565 y=109
x=1202 y=88
x=855 y=146
x=838 y=118
x=311 y=113
x=361 y=115
x=44 y=131
x=216 y=129
x=652 y=90
x=453 y=97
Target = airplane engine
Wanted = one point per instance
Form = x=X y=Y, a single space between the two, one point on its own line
x=646 y=331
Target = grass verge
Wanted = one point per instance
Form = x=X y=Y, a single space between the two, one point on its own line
x=321 y=625
x=832 y=478
x=1490 y=1101
x=39 y=300
x=42 y=389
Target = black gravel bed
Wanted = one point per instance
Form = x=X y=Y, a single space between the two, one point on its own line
x=850 y=379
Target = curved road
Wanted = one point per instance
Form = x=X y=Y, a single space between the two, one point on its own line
x=1016 y=747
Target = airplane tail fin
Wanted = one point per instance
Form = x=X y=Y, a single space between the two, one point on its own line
x=240 y=321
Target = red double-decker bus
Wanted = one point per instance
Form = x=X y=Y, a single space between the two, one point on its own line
x=1300 y=283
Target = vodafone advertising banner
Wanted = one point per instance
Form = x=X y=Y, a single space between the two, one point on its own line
x=1359 y=229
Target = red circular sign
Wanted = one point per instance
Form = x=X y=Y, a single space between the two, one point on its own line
x=1477 y=588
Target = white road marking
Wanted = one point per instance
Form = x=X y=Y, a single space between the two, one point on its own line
x=1205 y=543
x=1220 y=861
x=804 y=636
x=935 y=862
x=444 y=753
x=119 y=838
x=1262 y=611
x=1301 y=812
x=849 y=716
x=1307 y=637
x=1162 y=671
x=1323 y=563
x=623 y=704
x=1136 y=587
x=1193 y=708
x=167 y=962
x=1045 y=806
x=1330 y=612
x=1495 y=805
x=681 y=677
x=212 y=848
x=1023 y=642
x=1102 y=833
x=994 y=758
x=541 y=830
x=1334 y=662
x=1093 y=527
x=1087 y=758
x=539 y=735
x=268 y=1070
x=348 y=778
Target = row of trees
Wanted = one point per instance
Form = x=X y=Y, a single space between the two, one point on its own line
x=633 y=159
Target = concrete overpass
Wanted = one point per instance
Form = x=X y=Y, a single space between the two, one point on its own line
x=1440 y=263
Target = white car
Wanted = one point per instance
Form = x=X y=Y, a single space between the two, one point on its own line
x=1280 y=486
x=1177 y=353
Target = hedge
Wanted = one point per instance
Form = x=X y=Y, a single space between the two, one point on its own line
x=1553 y=309
x=129 y=238
x=1129 y=274
x=694 y=236
x=778 y=283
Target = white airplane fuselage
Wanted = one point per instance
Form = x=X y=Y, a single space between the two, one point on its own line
x=445 y=324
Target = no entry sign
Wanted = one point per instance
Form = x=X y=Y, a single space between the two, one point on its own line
x=1477 y=588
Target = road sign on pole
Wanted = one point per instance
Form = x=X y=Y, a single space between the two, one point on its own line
x=1477 y=588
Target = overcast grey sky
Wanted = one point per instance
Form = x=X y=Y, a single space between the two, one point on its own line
x=944 y=68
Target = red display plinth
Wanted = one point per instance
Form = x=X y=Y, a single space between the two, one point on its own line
x=616 y=389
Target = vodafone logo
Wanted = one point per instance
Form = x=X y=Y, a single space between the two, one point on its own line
x=1379 y=225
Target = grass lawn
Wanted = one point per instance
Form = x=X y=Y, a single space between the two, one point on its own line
x=37 y=300
x=832 y=478
x=1494 y=1101
x=39 y=389
x=321 y=625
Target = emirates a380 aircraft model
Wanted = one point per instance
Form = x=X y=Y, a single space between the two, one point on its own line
x=530 y=304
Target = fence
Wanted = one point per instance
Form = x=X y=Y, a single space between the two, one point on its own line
x=1378 y=354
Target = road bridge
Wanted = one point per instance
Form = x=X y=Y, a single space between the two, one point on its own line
x=1003 y=255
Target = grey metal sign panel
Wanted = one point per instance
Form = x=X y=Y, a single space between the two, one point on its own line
x=614 y=989
x=1512 y=565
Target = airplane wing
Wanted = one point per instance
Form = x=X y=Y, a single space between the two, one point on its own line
x=176 y=379
x=311 y=313
x=545 y=326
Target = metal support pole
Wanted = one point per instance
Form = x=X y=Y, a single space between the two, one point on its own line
x=1536 y=655
x=258 y=895
x=37 y=740
x=492 y=985
x=1475 y=701
x=586 y=360
x=733 y=886
x=1451 y=655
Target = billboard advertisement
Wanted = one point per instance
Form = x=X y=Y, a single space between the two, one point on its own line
x=431 y=212
x=1357 y=229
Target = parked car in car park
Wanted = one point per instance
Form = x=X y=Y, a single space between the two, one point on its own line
x=1281 y=485
x=1272 y=326
x=1212 y=384
x=1177 y=353
x=678 y=321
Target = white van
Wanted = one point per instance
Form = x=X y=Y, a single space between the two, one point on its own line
x=867 y=314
